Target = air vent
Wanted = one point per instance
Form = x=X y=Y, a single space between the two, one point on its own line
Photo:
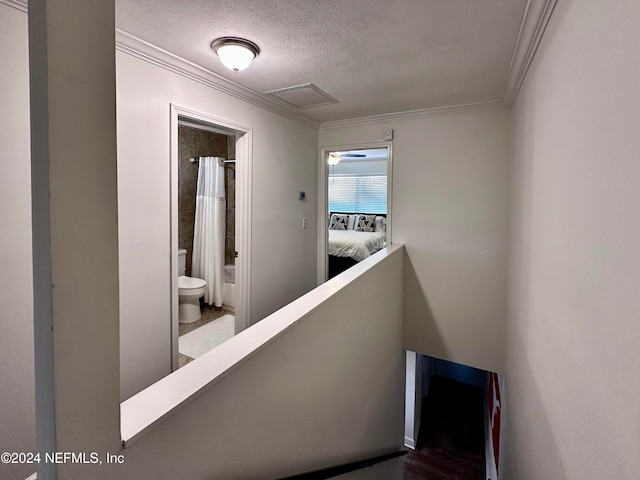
x=303 y=96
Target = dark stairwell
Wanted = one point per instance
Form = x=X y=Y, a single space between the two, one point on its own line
x=450 y=444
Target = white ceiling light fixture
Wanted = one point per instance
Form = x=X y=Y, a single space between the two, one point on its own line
x=235 y=53
x=334 y=159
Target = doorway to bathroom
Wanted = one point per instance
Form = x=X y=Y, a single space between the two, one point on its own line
x=210 y=201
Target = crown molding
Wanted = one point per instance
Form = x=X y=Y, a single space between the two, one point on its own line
x=534 y=22
x=17 y=4
x=132 y=45
x=136 y=47
x=490 y=105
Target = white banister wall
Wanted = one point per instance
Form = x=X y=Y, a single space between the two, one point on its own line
x=326 y=388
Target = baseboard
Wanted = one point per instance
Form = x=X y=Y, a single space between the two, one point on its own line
x=409 y=443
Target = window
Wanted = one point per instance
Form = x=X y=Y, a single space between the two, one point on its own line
x=362 y=193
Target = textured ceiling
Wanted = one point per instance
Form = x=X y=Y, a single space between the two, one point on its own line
x=373 y=56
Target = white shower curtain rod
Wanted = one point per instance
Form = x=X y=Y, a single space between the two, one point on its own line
x=195 y=160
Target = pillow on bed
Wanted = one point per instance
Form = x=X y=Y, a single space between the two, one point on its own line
x=380 y=224
x=351 y=225
x=365 y=223
x=338 y=221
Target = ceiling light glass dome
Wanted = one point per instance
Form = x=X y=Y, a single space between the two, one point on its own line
x=235 y=53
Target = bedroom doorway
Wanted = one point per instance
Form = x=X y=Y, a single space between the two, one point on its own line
x=210 y=237
x=355 y=208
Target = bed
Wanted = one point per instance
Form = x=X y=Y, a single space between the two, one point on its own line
x=354 y=237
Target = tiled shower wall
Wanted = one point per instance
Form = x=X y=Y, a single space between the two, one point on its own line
x=193 y=142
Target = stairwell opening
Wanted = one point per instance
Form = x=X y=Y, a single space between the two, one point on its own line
x=453 y=420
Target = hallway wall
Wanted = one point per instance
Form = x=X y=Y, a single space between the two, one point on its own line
x=449 y=209
x=573 y=356
x=284 y=155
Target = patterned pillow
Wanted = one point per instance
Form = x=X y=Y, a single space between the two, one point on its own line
x=338 y=222
x=365 y=223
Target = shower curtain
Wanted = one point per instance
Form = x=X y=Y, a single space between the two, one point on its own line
x=207 y=261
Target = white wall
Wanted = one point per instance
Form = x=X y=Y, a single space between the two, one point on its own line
x=328 y=390
x=449 y=210
x=573 y=359
x=283 y=255
x=17 y=414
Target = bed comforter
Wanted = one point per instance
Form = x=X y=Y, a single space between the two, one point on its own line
x=357 y=245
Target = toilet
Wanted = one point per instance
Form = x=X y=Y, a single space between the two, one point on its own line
x=190 y=290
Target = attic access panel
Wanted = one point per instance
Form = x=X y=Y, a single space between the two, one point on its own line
x=303 y=96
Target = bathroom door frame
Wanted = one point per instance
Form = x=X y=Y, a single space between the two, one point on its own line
x=323 y=198
x=244 y=194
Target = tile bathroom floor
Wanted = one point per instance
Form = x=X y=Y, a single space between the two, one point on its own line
x=208 y=315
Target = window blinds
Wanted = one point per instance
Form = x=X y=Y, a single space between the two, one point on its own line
x=358 y=193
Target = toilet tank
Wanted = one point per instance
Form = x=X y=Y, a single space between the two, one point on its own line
x=182 y=262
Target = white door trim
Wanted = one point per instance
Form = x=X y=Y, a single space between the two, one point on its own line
x=323 y=198
x=244 y=193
